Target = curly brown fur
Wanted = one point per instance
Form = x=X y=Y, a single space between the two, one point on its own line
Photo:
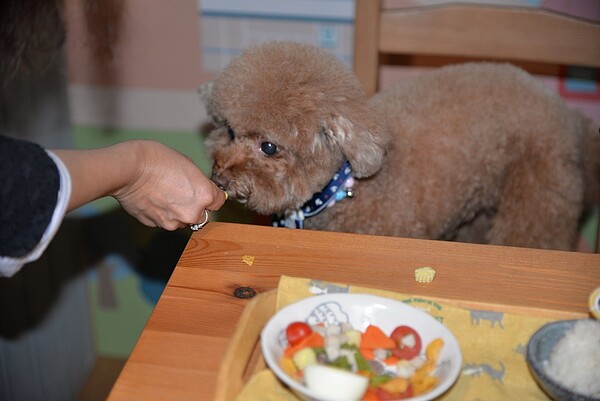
x=299 y=99
x=478 y=152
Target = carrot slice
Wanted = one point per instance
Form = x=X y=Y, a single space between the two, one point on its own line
x=370 y=395
x=288 y=366
x=373 y=338
x=313 y=340
x=391 y=360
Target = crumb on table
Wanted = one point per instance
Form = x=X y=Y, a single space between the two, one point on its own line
x=424 y=274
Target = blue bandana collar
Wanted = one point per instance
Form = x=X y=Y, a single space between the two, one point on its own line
x=340 y=187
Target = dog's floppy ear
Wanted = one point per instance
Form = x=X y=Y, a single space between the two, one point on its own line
x=363 y=138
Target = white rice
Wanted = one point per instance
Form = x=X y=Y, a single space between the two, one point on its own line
x=575 y=360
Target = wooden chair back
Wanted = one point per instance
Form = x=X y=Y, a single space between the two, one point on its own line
x=484 y=32
x=473 y=32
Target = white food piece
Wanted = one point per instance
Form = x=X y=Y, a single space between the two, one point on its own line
x=409 y=340
x=575 y=359
x=333 y=384
x=380 y=353
x=345 y=326
x=332 y=330
x=332 y=346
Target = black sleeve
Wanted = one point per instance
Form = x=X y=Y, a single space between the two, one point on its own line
x=29 y=184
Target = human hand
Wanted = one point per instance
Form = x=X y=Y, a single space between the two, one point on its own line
x=154 y=183
x=168 y=190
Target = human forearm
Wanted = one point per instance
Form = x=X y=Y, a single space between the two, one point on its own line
x=96 y=173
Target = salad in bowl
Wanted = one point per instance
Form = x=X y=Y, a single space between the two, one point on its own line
x=355 y=347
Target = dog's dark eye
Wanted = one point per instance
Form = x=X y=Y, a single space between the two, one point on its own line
x=231 y=133
x=268 y=148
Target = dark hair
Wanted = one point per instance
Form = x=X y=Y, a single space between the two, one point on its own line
x=33 y=31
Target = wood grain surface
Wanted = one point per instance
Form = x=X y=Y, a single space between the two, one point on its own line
x=181 y=349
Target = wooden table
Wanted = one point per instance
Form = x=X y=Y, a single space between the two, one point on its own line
x=181 y=348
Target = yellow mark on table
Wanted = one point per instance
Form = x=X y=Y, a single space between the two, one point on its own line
x=247 y=259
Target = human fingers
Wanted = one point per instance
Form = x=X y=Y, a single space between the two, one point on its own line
x=218 y=199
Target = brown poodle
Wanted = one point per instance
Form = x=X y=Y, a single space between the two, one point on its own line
x=477 y=152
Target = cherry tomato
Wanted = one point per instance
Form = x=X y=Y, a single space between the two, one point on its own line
x=384 y=395
x=408 y=342
x=296 y=331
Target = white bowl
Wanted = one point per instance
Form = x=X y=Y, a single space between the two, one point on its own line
x=360 y=310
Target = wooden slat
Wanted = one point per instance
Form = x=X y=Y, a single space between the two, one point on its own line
x=491 y=32
x=366 y=44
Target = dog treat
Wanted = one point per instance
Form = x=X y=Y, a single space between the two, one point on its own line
x=424 y=274
x=247 y=259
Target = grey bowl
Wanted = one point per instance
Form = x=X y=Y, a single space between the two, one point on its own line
x=539 y=348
